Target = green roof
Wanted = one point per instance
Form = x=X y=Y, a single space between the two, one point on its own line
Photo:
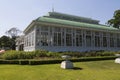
x=76 y=24
x=71 y=17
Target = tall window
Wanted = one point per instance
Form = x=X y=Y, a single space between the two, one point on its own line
x=57 y=37
x=29 y=39
x=104 y=40
x=25 y=41
x=97 y=39
x=78 y=38
x=32 y=39
x=29 y=44
x=68 y=37
x=88 y=38
x=44 y=37
x=118 y=40
x=38 y=37
x=111 y=40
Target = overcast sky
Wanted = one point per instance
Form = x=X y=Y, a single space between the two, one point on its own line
x=19 y=13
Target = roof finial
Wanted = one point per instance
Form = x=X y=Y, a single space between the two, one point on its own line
x=52 y=8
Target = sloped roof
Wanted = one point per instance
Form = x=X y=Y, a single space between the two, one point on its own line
x=60 y=18
x=75 y=24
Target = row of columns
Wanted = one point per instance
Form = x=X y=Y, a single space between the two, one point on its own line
x=73 y=33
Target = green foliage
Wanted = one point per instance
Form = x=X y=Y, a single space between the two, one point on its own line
x=36 y=62
x=9 y=62
x=93 y=58
x=9 y=55
x=89 y=54
x=54 y=54
x=23 y=62
x=115 y=21
x=40 y=53
x=39 y=62
x=5 y=42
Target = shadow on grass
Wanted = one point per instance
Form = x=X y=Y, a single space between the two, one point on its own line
x=77 y=68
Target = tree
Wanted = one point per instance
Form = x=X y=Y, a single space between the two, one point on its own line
x=13 y=32
x=115 y=21
x=5 y=42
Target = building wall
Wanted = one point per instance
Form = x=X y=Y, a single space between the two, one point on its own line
x=75 y=49
x=54 y=38
x=29 y=39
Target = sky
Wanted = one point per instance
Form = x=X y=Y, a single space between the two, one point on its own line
x=20 y=13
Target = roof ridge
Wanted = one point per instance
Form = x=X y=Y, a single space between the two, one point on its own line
x=71 y=17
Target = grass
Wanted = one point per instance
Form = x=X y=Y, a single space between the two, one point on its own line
x=93 y=70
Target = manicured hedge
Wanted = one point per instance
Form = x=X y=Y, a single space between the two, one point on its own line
x=9 y=62
x=23 y=62
x=93 y=58
x=33 y=62
x=38 y=62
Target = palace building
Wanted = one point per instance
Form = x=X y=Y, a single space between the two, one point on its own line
x=63 y=32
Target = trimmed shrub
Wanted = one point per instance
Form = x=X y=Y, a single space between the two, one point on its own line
x=38 y=62
x=1 y=61
x=93 y=58
x=23 y=62
x=9 y=62
x=34 y=62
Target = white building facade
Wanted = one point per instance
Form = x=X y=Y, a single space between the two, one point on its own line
x=62 y=32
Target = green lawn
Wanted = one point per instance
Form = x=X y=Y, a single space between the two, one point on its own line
x=94 y=70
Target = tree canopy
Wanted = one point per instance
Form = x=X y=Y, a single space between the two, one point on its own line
x=5 y=42
x=13 y=32
x=115 y=21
